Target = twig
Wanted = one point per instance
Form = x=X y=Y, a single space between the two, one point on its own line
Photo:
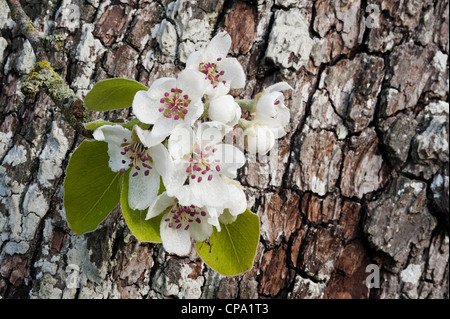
x=42 y=76
x=27 y=28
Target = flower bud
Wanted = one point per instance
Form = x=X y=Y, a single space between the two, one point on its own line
x=259 y=139
x=224 y=109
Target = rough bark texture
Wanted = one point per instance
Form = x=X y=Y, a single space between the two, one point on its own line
x=361 y=178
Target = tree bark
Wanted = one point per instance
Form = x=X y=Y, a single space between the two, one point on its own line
x=360 y=179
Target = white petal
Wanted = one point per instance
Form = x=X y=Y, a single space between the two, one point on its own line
x=238 y=200
x=237 y=115
x=213 y=216
x=219 y=45
x=276 y=116
x=223 y=109
x=212 y=192
x=159 y=205
x=200 y=231
x=280 y=86
x=147 y=103
x=145 y=109
x=175 y=241
x=177 y=179
x=185 y=196
x=230 y=159
x=160 y=130
x=161 y=161
x=143 y=135
x=194 y=59
x=259 y=139
x=211 y=133
x=219 y=90
x=181 y=141
x=234 y=73
x=195 y=110
x=114 y=135
x=192 y=84
x=266 y=104
x=143 y=189
x=161 y=86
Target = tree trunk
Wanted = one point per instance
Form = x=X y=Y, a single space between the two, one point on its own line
x=359 y=187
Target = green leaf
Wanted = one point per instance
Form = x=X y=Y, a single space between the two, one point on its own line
x=91 y=189
x=98 y=123
x=112 y=94
x=144 y=230
x=232 y=250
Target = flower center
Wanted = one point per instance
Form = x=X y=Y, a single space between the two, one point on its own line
x=183 y=216
x=175 y=104
x=211 y=72
x=201 y=165
x=137 y=153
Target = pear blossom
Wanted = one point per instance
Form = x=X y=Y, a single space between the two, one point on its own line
x=180 y=223
x=271 y=110
x=224 y=109
x=237 y=203
x=200 y=159
x=259 y=139
x=220 y=73
x=170 y=102
x=127 y=150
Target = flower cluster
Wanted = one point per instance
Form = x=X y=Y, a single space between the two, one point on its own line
x=187 y=119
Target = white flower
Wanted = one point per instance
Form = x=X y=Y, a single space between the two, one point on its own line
x=170 y=102
x=225 y=110
x=200 y=158
x=258 y=139
x=220 y=73
x=127 y=150
x=270 y=109
x=180 y=223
